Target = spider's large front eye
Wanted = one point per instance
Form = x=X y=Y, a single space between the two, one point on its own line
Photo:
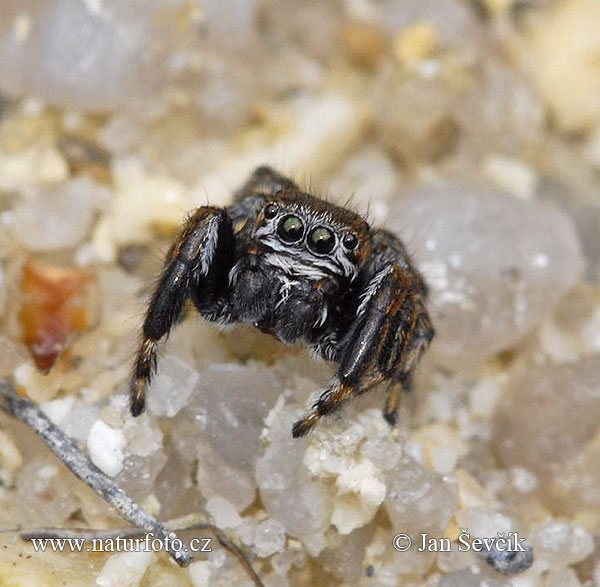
x=321 y=240
x=290 y=228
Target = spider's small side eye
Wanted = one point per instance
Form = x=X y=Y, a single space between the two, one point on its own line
x=321 y=240
x=290 y=228
x=350 y=241
x=271 y=210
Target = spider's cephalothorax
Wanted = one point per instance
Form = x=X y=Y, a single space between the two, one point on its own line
x=303 y=270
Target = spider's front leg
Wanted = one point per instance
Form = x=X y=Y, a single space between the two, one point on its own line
x=196 y=266
x=390 y=332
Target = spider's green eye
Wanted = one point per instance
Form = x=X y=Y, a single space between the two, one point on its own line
x=350 y=241
x=271 y=210
x=321 y=240
x=290 y=228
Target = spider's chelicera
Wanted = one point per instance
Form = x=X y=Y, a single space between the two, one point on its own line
x=306 y=271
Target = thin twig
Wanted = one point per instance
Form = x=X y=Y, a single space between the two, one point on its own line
x=69 y=453
x=184 y=523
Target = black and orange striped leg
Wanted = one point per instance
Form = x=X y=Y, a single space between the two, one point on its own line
x=392 y=402
x=384 y=343
x=198 y=262
x=393 y=396
x=330 y=399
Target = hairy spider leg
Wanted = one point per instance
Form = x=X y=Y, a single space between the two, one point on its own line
x=383 y=343
x=197 y=264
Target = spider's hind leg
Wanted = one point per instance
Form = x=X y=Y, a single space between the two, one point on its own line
x=264 y=181
x=198 y=262
x=409 y=345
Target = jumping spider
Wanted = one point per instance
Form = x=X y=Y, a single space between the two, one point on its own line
x=303 y=270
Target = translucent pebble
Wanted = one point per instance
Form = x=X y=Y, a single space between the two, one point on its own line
x=485 y=523
x=346 y=559
x=496 y=266
x=523 y=480
x=83 y=54
x=11 y=354
x=360 y=493
x=172 y=387
x=454 y=560
x=414 y=116
x=142 y=434
x=142 y=200
x=59 y=410
x=57 y=217
x=564 y=577
x=471 y=577
x=223 y=513
x=419 y=500
x=576 y=486
x=499 y=116
x=232 y=25
x=561 y=542
x=32 y=167
x=283 y=561
x=562 y=399
x=138 y=474
x=416 y=43
x=215 y=477
x=125 y=569
x=269 y=538
x=105 y=446
x=283 y=480
x=175 y=489
x=597 y=575
x=312 y=24
x=325 y=127
x=229 y=406
x=227 y=93
x=333 y=453
x=511 y=174
x=120 y=134
x=118 y=288
x=46 y=494
x=381 y=450
x=10 y=458
x=368 y=180
x=484 y=396
x=561 y=69
x=74 y=418
x=450 y=17
x=200 y=573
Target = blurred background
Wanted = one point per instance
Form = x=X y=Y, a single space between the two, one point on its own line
x=470 y=128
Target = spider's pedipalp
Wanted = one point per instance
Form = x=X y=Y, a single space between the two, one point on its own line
x=196 y=265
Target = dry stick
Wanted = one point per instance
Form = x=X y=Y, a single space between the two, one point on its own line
x=68 y=452
x=189 y=522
